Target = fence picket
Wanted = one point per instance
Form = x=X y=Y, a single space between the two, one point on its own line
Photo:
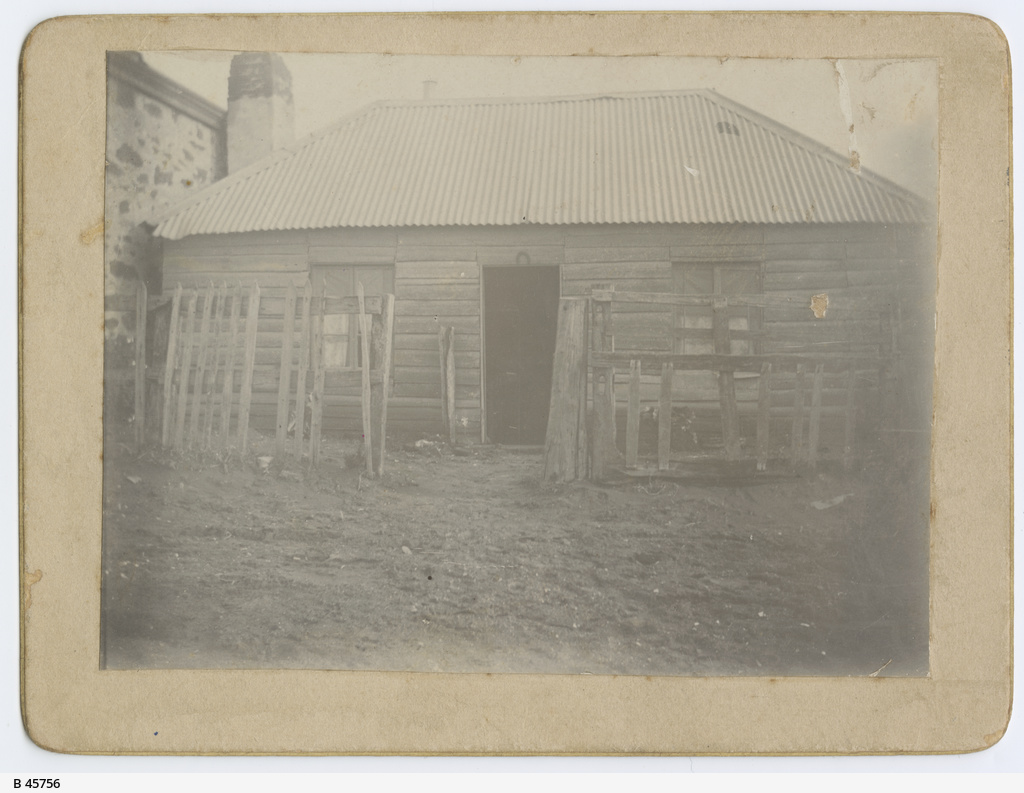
x=665 y=417
x=229 y=367
x=364 y=338
x=633 y=415
x=317 y=401
x=217 y=344
x=169 y=368
x=186 y=367
x=199 y=385
x=300 y=381
x=245 y=395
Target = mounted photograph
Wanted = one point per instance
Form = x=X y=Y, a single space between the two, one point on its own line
x=523 y=365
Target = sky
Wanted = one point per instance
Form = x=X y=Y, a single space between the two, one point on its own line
x=891 y=105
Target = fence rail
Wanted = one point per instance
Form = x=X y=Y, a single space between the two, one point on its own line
x=583 y=427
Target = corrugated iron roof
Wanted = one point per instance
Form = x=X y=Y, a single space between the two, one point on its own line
x=677 y=157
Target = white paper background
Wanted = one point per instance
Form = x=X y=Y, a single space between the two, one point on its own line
x=19 y=757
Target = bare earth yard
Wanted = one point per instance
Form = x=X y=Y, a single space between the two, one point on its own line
x=469 y=562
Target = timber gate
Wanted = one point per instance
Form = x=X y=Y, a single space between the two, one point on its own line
x=791 y=399
x=225 y=345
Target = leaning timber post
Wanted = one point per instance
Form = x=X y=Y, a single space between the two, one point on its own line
x=851 y=417
x=229 y=367
x=568 y=398
x=364 y=339
x=814 y=424
x=446 y=349
x=797 y=434
x=726 y=381
x=764 y=403
x=169 y=367
x=300 y=380
x=603 y=443
x=665 y=417
x=582 y=423
x=218 y=343
x=141 y=299
x=633 y=415
x=284 y=383
x=380 y=355
x=316 y=405
x=201 y=357
x=186 y=367
x=248 y=364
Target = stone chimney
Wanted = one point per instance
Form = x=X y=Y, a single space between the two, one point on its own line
x=261 y=117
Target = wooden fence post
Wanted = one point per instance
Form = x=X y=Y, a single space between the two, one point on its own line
x=851 y=417
x=218 y=343
x=248 y=364
x=316 y=408
x=815 y=420
x=665 y=417
x=726 y=381
x=381 y=341
x=229 y=367
x=186 y=366
x=603 y=444
x=797 y=436
x=566 y=414
x=764 y=403
x=141 y=300
x=285 y=371
x=169 y=368
x=633 y=415
x=300 y=381
x=200 y=384
x=364 y=338
x=446 y=345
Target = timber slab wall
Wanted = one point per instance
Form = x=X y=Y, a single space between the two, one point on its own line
x=874 y=277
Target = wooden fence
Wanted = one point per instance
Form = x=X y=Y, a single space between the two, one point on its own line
x=212 y=367
x=583 y=428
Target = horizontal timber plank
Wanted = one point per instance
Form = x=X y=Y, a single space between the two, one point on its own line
x=696 y=300
x=430 y=374
x=511 y=255
x=603 y=254
x=428 y=341
x=425 y=325
x=435 y=253
x=427 y=358
x=229 y=264
x=602 y=271
x=727 y=363
x=815 y=280
x=804 y=250
x=426 y=270
x=481 y=235
x=449 y=290
x=341 y=254
x=751 y=252
x=439 y=308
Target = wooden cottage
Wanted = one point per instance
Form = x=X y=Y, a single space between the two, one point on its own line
x=481 y=214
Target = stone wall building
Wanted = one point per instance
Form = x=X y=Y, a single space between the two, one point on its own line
x=164 y=143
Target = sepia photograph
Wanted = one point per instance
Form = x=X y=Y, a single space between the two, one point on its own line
x=524 y=365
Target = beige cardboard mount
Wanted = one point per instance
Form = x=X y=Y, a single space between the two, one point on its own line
x=70 y=705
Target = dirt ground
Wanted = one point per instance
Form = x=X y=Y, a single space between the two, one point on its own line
x=467 y=561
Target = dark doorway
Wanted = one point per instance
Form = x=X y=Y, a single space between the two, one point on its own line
x=521 y=318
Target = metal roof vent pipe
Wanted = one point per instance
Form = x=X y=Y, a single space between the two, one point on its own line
x=261 y=115
x=428 y=88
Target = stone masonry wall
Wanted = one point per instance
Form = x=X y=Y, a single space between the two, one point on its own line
x=163 y=144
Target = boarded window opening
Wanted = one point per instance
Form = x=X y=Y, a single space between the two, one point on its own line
x=342 y=346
